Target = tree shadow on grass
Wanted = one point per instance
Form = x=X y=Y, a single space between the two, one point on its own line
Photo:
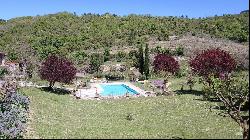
x=58 y=91
x=193 y=92
x=210 y=100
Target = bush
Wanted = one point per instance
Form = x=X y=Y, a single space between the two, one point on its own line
x=96 y=60
x=98 y=75
x=3 y=71
x=79 y=56
x=106 y=55
x=180 y=73
x=13 y=115
x=120 y=56
x=142 y=78
x=56 y=69
x=114 y=76
x=157 y=49
x=179 y=51
x=213 y=62
x=167 y=51
x=166 y=63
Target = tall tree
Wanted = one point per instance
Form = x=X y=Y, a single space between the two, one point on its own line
x=141 y=59
x=146 y=62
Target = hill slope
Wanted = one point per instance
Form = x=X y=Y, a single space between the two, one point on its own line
x=68 y=34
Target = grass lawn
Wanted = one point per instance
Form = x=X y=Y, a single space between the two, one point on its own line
x=180 y=116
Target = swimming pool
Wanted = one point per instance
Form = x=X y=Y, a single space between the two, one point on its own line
x=116 y=90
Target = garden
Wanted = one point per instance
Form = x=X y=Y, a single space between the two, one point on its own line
x=204 y=96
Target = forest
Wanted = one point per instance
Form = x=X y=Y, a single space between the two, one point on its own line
x=75 y=36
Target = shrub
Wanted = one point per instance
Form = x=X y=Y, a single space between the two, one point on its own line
x=13 y=56
x=180 y=74
x=120 y=56
x=133 y=59
x=79 y=56
x=157 y=49
x=141 y=78
x=132 y=53
x=129 y=117
x=13 y=115
x=213 y=62
x=3 y=71
x=190 y=82
x=96 y=60
x=114 y=76
x=106 y=55
x=98 y=75
x=179 y=51
x=165 y=63
x=56 y=69
x=166 y=51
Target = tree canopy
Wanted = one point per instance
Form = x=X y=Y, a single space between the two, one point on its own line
x=66 y=33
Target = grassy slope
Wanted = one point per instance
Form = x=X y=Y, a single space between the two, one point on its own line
x=62 y=116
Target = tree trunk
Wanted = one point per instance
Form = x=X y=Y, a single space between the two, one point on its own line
x=51 y=84
x=245 y=130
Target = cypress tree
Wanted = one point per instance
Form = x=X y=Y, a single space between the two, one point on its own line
x=141 y=59
x=146 y=62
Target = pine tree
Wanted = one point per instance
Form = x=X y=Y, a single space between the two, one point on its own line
x=146 y=62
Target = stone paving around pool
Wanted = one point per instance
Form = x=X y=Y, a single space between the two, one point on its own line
x=94 y=92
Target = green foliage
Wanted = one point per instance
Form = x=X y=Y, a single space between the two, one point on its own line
x=29 y=70
x=3 y=71
x=13 y=56
x=146 y=62
x=114 y=76
x=167 y=51
x=120 y=56
x=79 y=56
x=106 y=55
x=133 y=58
x=233 y=92
x=142 y=77
x=66 y=32
x=179 y=51
x=98 y=74
x=234 y=87
x=141 y=59
x=157 y=49
x=160 y=50
x=96 y=60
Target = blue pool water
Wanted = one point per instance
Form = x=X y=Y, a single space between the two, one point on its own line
x=117 y=90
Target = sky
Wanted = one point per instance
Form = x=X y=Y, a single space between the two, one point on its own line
x=192 y=8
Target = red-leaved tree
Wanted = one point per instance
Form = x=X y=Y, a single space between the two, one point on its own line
x=163 y=62
x=57 y=69
x=214 y=62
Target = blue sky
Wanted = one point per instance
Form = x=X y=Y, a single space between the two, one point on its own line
x=191 y=8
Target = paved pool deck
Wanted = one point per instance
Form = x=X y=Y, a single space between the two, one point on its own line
x=90 y=93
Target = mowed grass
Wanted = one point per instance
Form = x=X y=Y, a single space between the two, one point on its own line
x=180 y=116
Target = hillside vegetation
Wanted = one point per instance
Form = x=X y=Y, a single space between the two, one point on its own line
x=71 y=35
